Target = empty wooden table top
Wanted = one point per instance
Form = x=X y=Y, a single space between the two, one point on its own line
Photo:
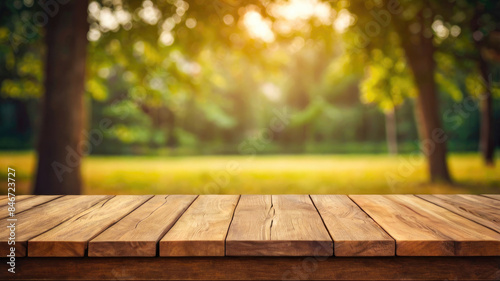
x=255 y=225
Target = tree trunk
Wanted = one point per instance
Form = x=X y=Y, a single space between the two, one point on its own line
x=487 y=142
x=419 y=52
x=172 y=141
x=391 y=132
x=60 y=145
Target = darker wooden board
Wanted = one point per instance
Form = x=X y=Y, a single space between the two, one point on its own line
x=38 y=220
x=277 y=225
x=70 y=238
x=256 y=268
x=202 y=229
x=421 y=228
x=483 y=210
x=354 y=233
x=138 y=233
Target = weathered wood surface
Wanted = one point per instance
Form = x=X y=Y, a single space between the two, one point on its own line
x=4 y=199
x=69 y=239
x=494 y=196
x=138 y=233
x=277 y=225
x=37 y=220
x=24 y=204
x=483 y=210
x=353 y=231
x=421 y=228
x=254 y=225
x=202 y=229
x=256 y=268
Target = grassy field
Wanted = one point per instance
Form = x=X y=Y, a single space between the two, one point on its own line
x=337 y=174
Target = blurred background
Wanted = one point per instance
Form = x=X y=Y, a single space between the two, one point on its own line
x=233 y=96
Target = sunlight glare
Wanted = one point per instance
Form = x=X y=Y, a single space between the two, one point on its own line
x=258 y=27
x=271 y=91
x=343 y=21
x=302 y=10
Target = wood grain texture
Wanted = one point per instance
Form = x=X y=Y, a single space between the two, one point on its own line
x=138 y=233
x=277 y=225
x=493 y=196
x=202 y=229
x=35 y=221
x=421 y=228
x=483 y=210
x=70 y=238
x=4 y=199
x=257 y=268
x=28 y=203
x=354 y=233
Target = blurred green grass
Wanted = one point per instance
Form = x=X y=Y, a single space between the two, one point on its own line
x=277 y=174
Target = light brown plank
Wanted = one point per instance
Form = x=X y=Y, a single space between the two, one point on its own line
x=5 y=200
x=354 y=233
x=138 y=233
x=38 y=220
x=277 y=225
x=23 y=197
x=483 y=210
x=202 y=229
x=28 y=203
x=421 y=228
x=493 y=196
x=70 y=238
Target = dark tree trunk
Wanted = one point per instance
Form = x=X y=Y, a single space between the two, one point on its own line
x=391 y=132
x=172 y=141
x=419 y=52
x=487 y=142
x=59 y=148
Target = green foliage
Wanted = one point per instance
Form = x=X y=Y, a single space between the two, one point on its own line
x=97 y=89
x=310 y=114
x=217 y=116
x=179 y=74
x=448 y=86
x=388 y=82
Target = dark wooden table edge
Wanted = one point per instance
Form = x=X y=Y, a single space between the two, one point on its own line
x=255 y=268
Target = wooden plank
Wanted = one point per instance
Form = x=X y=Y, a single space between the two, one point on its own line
x=38 y=220
x=483 y=210
x=354 y=233
x=421 y=228
x=202 y=229
x=27 y=204
x=493 y=196
x=23 y=197
x=256 y=268
x=277 y=225
x=69 y=239
x=5 y=200
x=139 y=232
